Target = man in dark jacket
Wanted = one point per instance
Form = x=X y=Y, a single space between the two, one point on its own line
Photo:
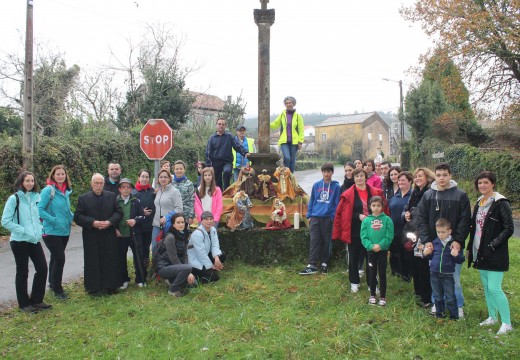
x=219 y=153
x=129 y=234
x=99 y=215
x=445 y=200
x=112 y=179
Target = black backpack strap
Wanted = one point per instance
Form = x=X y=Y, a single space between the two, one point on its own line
x=17 y=208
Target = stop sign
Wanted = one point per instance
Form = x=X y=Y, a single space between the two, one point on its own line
x=156 y=139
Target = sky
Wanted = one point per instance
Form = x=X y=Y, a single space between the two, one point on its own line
x=331 y=55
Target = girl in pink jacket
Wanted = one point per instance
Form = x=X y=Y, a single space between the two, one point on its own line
x=208 y=196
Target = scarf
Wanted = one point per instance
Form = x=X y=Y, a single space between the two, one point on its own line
x=140 y=187
x=181 y=179
x=61 y=188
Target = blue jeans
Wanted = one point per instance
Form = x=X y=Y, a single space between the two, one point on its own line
x=443 y=287
x=458 y=287
x=289 y=155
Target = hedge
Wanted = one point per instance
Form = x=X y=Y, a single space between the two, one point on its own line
x=258 y=246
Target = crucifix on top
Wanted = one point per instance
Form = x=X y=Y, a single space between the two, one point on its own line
x=264 y=4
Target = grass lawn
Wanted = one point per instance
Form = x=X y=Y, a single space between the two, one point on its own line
x=259 y=313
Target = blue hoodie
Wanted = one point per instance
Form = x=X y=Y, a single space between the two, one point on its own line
x=324 y=199
x=29 y=229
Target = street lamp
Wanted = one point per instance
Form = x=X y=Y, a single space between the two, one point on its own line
x=401 y=105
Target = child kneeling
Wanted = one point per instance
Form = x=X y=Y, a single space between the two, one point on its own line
x=377 y=232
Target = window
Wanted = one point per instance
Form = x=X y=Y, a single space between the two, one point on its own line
x=380 y=137
x=323 y=136
x=369 y=136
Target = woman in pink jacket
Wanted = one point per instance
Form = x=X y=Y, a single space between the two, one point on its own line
x=208 y=196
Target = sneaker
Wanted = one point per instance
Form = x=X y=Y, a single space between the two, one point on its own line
x=176 y=293
x=433 y=310
x=42 y=306
x=382 y=302
x=124 y=286
x=308 y=271
x=354 y=288
x=141 y=285
x=61 y=295
x=461 y=313
x=372 y=300
x=30 y=309
x=488 y=321
x=324 y=269
x=504 y=329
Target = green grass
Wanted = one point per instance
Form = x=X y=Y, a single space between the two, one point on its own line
x=259 y=313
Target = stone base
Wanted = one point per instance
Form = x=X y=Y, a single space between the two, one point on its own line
x=262 y=161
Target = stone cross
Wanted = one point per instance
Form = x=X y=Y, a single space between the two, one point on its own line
x=264 y=4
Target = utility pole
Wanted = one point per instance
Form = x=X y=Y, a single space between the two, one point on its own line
x=401 y=108
x=27 y=130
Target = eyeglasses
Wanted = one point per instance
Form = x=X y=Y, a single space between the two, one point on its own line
x=125 y=187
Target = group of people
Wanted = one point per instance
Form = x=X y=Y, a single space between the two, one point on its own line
x=419 y=223
x=115 y=215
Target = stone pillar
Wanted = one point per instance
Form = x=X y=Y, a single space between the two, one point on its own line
x=264 y=18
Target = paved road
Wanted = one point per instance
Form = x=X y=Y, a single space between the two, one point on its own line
x=74 y=253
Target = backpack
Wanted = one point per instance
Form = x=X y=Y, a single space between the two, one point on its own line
x=53 y=191
x=157 y=251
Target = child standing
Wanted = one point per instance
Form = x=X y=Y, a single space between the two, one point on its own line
x=377 y=232
x=442 y=266
x=320 y=212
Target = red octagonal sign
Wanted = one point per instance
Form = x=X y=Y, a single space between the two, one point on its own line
x=156 y=139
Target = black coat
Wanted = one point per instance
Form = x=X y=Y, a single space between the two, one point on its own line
x=147 y=198
x=100 y=247
x=452 y=204
x=493 y=253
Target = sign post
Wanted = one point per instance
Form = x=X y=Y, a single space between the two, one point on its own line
x=156 y=140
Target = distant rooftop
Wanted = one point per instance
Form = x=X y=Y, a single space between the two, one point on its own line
x=207 y=102
x=347 y=119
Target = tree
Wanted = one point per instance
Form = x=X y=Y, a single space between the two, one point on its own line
x=482 y=36
x=161 y=94
x=423 y=104
x=457 y=123
x=53 y=84
x=234 y=111
x=10 y=122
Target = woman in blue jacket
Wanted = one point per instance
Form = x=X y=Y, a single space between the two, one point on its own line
x=54 y=207
x=21 y=218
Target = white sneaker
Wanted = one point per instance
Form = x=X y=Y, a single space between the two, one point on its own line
x=354 y=288
x=124 y=286
x=461 y=313
x=433 y=310
x=504 y=329
x=141 y=284
x=488 y=321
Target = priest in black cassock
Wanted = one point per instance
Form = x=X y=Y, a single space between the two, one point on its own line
x=99 y=214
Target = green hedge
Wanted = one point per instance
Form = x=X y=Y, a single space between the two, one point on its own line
x=264 y=247
x=306 y=165
x=467 y=162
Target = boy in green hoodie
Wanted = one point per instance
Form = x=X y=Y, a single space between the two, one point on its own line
x=377 y=232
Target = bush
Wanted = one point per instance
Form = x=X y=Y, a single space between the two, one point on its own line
x=306 y=165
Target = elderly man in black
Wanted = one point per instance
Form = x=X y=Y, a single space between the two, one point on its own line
x=99 y=214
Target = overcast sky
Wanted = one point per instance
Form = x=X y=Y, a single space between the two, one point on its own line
x=331 y=55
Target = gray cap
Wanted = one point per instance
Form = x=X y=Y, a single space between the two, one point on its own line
x=125 y=181
x=207 y=214
x=240 y=127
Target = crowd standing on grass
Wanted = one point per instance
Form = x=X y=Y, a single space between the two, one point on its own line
x=418 y=221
